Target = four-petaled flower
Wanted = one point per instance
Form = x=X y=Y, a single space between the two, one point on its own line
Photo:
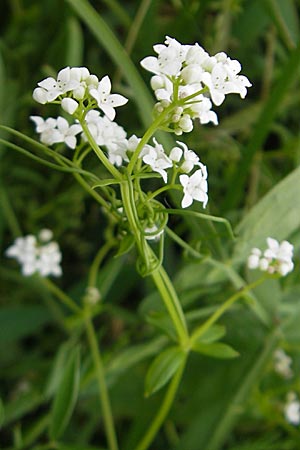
x=105 y=100
x=195 y=187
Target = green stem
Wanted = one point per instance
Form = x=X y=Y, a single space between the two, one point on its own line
x=163 y=411
x=159 y=275
x=103 y=392
x=163 y=189
x=172 y=303
x=151 y=130
x=109 y=166
x=64 y=298
x=223 y=308
x=92 y=278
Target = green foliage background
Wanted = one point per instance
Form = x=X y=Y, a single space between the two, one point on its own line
x=254 y=182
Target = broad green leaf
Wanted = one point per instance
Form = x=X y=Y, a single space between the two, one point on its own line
x=216 y=350
x=277 y=215
x=163 y=368
x=20 y=321
x=214 y=333
x=66 y=396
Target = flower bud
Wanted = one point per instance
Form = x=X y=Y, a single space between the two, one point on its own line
x=69 y=105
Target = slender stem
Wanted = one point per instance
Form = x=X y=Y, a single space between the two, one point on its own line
x=172 y=303
x=163 y=189
x=64 y=298
x=151 y=130
x=163 y=411
x=159 y=275
x=109 y=166
x=223 y=308
x=103 y=392
x=92 y=278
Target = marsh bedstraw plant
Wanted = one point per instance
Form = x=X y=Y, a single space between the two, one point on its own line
x=188 y=83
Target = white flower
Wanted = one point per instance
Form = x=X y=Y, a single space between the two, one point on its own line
x=195 y=187
x=49 y=88
x=49 y=134
x=109 y=134
x=292 y=409
x=156 y=158
x=49 y=260
x=68 y=132
x=282 y=363
x=191 y=159
x=34 y=256
x=276 y=259
x=105 y=100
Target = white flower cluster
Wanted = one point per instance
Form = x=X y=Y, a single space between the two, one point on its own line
x=73 y=87
x=75 y=84
x=282 y=363
x=276 y=259
x=189 y=72
x=37 y=255
x=195 y=187
x=292 y=409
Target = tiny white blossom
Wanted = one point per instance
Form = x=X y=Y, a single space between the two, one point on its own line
x=195 y=187
x=292 y=409
x=156 y=158
x=105 y=100
x=191 y=159
x=282 y=363
x=68 y=132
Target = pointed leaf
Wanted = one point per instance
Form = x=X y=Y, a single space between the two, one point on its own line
x=216 y=350
x=163 y=368
x=214 y=333
x=66 y=396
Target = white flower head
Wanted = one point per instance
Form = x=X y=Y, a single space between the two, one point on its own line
x=37 y=257
x=277 y=258
x=195 y=187
x=106 y=101
x=292 y=409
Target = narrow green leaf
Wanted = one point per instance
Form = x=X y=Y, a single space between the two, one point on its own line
x=214 y=333
x=216 y=350
x=264 y=122
x=74 y=52
x=66 y=396
x=163 y=368
x=125 y=245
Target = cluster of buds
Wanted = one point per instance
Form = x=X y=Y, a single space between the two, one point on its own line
x=37 y=254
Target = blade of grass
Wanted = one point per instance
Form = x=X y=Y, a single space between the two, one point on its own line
x=264 y=122
x=235 y=407
x=111 y=44
x=74 y=50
